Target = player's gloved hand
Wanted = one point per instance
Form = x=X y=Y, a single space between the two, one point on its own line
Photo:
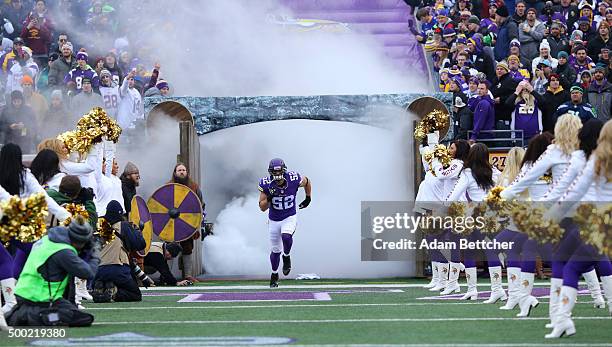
x=305 y=203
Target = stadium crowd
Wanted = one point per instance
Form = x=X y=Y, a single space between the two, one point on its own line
x=59 y=60
x=519 y=65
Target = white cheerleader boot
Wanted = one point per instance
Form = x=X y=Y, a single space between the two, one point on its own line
x=442 y=277
x=564 y=324
x=514 y=288
x=472 y=290
x=526 y=300
x=81 y=289
x=8 y=291
x=453 y=279
x=594 y=288
x=606 y=281
x=497 y=290
x=555 y=292
x=3 y=325
x=434 y=276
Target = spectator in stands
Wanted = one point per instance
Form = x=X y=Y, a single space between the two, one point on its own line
x=85 y=100
x=488 y=23
x=156 y=261
x=568 y=11
x=585 y=79
x=542 y=72
x=515 y=49
x=576 y=106
x=602 y=40
x=531 y=32
x=25 y=67
x=556 y=40
x=463 y=115
x=472 y=87
x=56 y=119
x=16 y=13
x=526 y=115
x=111 y=65
x=37 y=102
x=125 y=60
x=99 y=65
x=130 y=179
x=516 y=69
x=507 y=30
x=502 y=87
x=544 y=56
x=584 y=25
x=443 y=21
x=38 y=32
x=130 y=106
x=484 y=113
x=42 y=80
x=74 y=79
x=519 y=15
x=554 y=96
x=62 y=66
x=566 y=72
x=604 y=56
x=440 y=57
x=480 y=61
x=582 y=62
x=56 y=47
x=18 y=124
x=6 y=27
x=600 y=93
x=114 y=281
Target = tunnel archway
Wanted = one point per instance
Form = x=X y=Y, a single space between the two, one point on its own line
x=172 y=109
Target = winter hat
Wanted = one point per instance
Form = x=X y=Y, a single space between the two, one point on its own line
x=442 y=46
x=26 y=79
x=515 y=43
x=576 y=89
x=57 y=94
x=502 y=11
x=16 y=94
x=600 y=67
x=68 y=45
x=130 y=168
x=473 y=19
x=562 y=54
x=544 y=44
x=503 y=65
x=514 y=57
x=79 y=230
x=161 y=84
x=531 y=9
x=461 y=39
x=105 y=72
x=442 y=12
x=82 y=56
x=70 y=186
x=27 y=50
x=114 y=212
x=583 y=20
x=449 y=32
x=459 y=102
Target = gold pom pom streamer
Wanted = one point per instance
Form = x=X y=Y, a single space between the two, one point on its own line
x=24 y=219
x=441 y=153
x=75 y=210
x=434 y=120
x=91 y=129
x=595 y=224
x=530 y=220
x=105 y=231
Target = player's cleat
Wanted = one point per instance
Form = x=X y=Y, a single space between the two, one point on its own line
x=274 y=280
x=286 y=264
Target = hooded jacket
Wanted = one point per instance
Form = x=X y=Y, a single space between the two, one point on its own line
x=66 y=262
x=600 y=96
x=484 y=117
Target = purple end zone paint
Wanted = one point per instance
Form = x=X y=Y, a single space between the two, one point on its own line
x=255 y=296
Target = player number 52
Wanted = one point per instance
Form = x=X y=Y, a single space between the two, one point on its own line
x=282 y=202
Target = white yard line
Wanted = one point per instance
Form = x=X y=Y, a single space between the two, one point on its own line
x=356 y=320
x=302 y=286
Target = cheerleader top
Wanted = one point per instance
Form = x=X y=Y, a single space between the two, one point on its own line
x=85 y=171
x=31 y=186
x=466 y=189
x=576 y=165
x=553 y=159
x=448 y=176
x=430 y=189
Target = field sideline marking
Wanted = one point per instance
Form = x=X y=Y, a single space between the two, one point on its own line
x=302 y=286
x=297 y=305
x=356 y=320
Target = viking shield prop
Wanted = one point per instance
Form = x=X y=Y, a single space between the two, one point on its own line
x=139 y=215
x=176 y=212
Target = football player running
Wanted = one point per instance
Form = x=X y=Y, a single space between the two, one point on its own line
x=278 y=193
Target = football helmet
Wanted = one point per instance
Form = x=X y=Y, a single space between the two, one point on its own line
x=277 y=169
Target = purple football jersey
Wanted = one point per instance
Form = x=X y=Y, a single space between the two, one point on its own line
x=77 y=75
x=283 y=199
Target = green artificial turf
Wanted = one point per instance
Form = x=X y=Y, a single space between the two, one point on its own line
x=400 y=323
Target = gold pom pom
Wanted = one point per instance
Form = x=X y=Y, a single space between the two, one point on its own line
x=92 y=128
x=75 y=210
x=457 y=209
x=441 y=153
x=595 y=224
x=105 y=231
x=434 y=120
x=529 y=218
x=24 y=219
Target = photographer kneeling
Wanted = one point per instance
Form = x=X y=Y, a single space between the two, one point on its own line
x=114 y=280
x=41 y=285
x=157 y=262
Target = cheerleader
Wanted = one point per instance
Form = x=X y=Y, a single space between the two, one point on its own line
x=18 y=180
x=45 y=167
x=511 y=171
x=85 y=170
x=474 y=182
x=593 y=184
x=555 y=159
x=458 y=150
x=4 y=195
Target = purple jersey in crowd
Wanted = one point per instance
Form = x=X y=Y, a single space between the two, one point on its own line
x=76 y=75
x=283 y=199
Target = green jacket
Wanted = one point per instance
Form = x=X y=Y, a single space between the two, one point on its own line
x=62 y=199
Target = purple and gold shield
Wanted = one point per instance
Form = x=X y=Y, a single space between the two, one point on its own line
x=176 y=212
x=139 y=215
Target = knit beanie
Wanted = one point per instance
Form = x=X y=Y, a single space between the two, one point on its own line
x=114 y=212
x=79 y=230
x=70 y=186
x=130 y=168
